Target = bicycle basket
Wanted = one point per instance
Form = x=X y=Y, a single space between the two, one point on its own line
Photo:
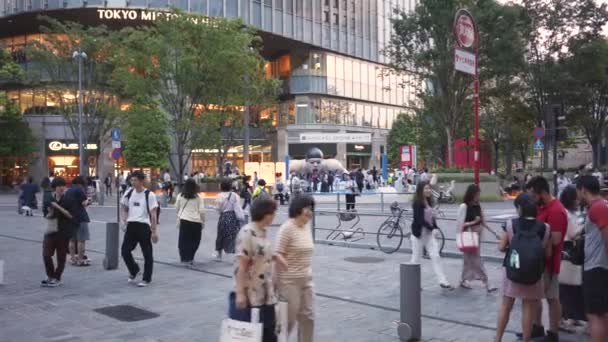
x=395 y=210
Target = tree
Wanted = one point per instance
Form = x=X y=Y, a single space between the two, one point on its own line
x=403 y=132
x=423 y=42
x=201 y=71
x=54 y=63
x=586 y=91
x=17 y=142
x=9 y=70
x=147 y=142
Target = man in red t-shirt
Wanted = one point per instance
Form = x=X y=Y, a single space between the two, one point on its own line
x=595 y=275
x=552 y=212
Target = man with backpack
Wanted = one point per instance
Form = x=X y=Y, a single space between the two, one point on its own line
x=140 y=214
x=260 y=190
x=595 y=268
x=552 y=212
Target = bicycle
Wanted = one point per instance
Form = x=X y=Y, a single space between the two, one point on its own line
x=390 y=233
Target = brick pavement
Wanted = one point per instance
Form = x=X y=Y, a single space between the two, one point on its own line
x=355 y=302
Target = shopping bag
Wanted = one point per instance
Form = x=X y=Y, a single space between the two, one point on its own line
x=239 y=331
x=467 y=241
x=570 y=274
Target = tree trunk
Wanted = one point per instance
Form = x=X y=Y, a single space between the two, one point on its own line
x=450 y=145
x=496 y=157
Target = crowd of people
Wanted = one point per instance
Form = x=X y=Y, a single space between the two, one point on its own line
x=556 y=249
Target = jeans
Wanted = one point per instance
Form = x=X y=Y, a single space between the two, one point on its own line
x=189 y=239
x=428 y=241
x=54 y=243
x=350 y=201
x=138 y=233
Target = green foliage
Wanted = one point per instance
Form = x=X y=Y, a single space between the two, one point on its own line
x=55 y=63
x=17 y=142
x=402 y=133
x=148 y=143
x=423 y=41
x=201 y=71
x=9 y=70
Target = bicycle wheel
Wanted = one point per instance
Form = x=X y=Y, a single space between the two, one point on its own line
x=389 y=237
x=438 y=233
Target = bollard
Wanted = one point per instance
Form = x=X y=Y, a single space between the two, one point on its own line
x=338 y=200
x=314 y=215
x=110 y=262
x=410 y=326
x=382 y=200
x=1 y=272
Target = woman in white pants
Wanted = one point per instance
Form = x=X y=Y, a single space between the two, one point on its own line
x=422 y=231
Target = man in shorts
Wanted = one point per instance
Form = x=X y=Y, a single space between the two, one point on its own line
x=595 y=275
x=78 y=201
x=552 y=212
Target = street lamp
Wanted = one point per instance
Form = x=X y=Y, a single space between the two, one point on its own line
x=80 y=56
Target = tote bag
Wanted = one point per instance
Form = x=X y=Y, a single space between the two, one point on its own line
x=467 y=241
x=239 y=331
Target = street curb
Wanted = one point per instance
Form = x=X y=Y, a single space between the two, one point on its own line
x=445 y=254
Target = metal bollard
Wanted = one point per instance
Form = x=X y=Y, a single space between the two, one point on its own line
x=410 y=327
x=101 y=197
x=1 y=272
x=110 y=262
x=382 y=200
x=338 y=200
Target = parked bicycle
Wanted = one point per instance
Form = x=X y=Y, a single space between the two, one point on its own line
x=391 y=232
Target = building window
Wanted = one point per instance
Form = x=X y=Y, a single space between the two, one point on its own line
x=289 y=6
x=336 y=19
x=278 y=4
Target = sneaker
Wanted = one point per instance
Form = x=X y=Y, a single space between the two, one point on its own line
x=143 y=283
x=45 y=282
x=132 y=278
x=53 y=283
x=217 y=256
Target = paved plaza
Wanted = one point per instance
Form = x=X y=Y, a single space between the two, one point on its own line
x=356 y=302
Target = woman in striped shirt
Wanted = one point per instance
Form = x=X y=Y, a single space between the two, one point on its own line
x=295 y=247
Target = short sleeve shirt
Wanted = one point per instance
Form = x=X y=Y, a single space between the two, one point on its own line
x=137 y=205
x=75 y=195
x=596 y=254
x=555 y=215
x=251 y=243
x=296 y=244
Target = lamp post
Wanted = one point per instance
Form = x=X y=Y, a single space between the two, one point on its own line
x=80 y=56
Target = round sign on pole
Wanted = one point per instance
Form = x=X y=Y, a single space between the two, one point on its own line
x=539 y=132
x=464 y=29
x=116 y=154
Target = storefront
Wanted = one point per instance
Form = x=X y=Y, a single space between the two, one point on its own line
x=358 y=156
x=62 y=158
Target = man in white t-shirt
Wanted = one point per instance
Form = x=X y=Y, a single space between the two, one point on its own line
x=139 y=213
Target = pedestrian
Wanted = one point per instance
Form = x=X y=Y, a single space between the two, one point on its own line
x=330 y=181
x=77 y=202
x=27 y=196
x=562 y=182
x=423 y=224
x=57 y=236
x=424 y=176
x=254 y=287
x=470 y=218
x=359 y=179
x=600 y=177
x=190 y=210
x=280 y=190
x=260 y=190
x=530 y=294
x=374 y=175
x=351 y=192
x=168 y=184
x=295 y=246
x=140 y=215
x=571 y=269
x=552 y=212
x=123 y=184
x=227 y=203
x=595 y=276
x=246 y=192
x=47 y=195
x=108 y=184
x=295 y=187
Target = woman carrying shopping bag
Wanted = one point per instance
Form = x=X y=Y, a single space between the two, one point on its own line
x=470 y=220
x=422 y=232
x=228 y=204
x=190 y=220
x=295 y=246
x=253 y=270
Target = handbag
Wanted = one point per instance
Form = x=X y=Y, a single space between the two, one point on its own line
x=467 y=241
x=243 y=324
x=574 y=251
x=570 y=274
x=52 y=225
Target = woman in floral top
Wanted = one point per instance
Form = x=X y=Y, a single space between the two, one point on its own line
x=253 y=269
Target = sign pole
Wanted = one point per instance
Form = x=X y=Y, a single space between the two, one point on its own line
x=476 y=96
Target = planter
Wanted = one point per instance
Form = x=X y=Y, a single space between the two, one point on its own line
x=209 y=187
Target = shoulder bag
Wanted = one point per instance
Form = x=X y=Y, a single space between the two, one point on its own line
x=180 y=214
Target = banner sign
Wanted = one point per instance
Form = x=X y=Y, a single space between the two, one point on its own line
x=464 y=61
x=335 y=137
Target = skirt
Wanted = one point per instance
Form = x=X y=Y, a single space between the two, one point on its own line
x=472 y=267
x=228 y=227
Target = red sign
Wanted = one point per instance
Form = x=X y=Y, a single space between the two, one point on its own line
x=116 y=154
x=539 y=132
x=464 y=29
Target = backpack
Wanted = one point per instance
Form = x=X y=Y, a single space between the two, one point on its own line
x=525 y=259
x=280 y=187
x=147 y=193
